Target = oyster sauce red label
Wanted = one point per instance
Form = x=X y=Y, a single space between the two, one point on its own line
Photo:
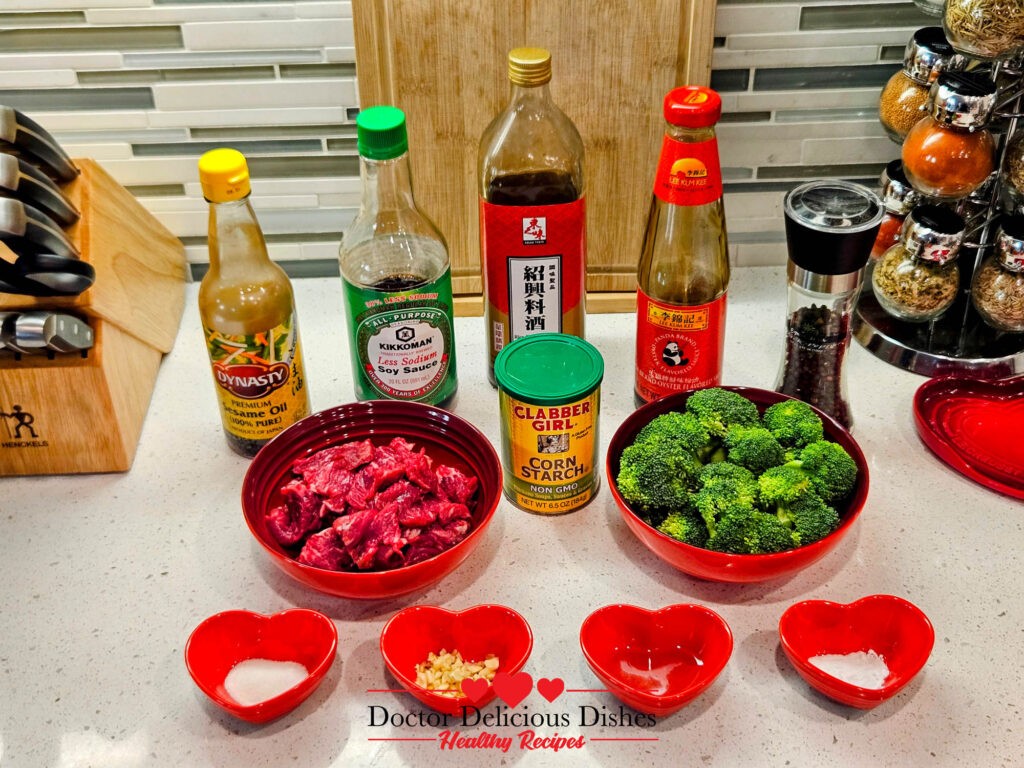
x=261 y=385
x=534 y=270
x=688 y=173
x=678 y=347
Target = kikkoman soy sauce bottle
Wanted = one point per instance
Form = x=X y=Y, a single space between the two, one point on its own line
x=683 y=271
x=248 y=314
x=532 y=212
x=396 y=276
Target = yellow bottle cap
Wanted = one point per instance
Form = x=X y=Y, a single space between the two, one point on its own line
x=224 y=175
x=529 y=66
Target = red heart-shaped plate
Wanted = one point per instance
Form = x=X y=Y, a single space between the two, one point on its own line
x=656 y=661
x=892 y=627
x=975 y=426
x=413 y=633
x=225 y=639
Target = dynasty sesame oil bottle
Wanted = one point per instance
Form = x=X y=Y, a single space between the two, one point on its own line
x=248 y=313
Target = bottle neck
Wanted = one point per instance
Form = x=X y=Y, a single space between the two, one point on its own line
x=235 y=239
x=537 y=95
x=387 y=184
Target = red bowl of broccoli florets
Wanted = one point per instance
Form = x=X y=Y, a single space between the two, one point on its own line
x=736 y=484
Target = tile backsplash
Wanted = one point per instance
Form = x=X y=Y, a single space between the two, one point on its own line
x=144 y=86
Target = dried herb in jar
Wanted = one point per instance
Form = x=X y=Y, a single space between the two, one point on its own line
x=998 y=288
x=918 y=279
x=985 y=29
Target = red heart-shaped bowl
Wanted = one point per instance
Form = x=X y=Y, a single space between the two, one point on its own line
x=723 y=566
x=447 y=439
x=477 y=632
x=892 y=627
x=225 y=639
x=656 y=661
x=975 y=426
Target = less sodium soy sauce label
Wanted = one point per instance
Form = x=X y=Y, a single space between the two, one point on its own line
x=403 y=341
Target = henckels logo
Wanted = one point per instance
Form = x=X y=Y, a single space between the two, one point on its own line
x=19 y=430
x=535 y=230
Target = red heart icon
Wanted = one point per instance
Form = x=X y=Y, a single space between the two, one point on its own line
x=550 y=689
x=512 y=689
x=475 y=690
x=892 y=627
x=973 y=426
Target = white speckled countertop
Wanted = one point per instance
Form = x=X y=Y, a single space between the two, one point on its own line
x=105 y=576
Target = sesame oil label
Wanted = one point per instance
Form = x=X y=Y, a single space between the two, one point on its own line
x=550 y=453
x=260 y=380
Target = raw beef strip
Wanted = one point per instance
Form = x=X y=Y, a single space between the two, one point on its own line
x=369 y=532
x=325 y=550
x=330 y=480
x=299 y=515
x=449 y=510
x=364 y=485
x=401 y=492
x=348 y=456
x=454 y=485
x=436 y=539
x=415 y=515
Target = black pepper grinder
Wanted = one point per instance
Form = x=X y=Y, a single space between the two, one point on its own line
x=831 y=226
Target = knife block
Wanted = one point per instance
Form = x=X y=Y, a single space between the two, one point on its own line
x=77 y=414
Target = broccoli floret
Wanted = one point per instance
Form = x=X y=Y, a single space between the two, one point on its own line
x=810 y=518
x=657 y=475
x=718 y=409
x=782 y=485
x=677 y=426
x=753 y=533
x=725 y=489
x=830 y=469
x=794 y=423
x=754 y=448
x=686 y=526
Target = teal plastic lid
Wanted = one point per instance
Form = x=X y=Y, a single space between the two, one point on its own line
x=549 y=368
x=381 y=133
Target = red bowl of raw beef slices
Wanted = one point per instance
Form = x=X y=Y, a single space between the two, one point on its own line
x=374 y=499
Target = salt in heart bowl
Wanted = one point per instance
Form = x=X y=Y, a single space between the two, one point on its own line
x=895 y=629
x=228 y=638
x=656 y=661
x=415 y=632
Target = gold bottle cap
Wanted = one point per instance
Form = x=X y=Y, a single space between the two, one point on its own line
x=529 y=66
x=224 y=175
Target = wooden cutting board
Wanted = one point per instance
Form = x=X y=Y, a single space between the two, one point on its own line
x=444 y=63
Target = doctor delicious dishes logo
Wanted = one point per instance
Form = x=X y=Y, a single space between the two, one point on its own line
x=513 y=724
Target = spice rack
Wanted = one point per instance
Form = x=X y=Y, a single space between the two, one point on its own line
x=960 y=341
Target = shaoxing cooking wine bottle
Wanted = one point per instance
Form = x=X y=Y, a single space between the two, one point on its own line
x=396 y=276
x=248 y=314
x=532 y=212
x=683 y=272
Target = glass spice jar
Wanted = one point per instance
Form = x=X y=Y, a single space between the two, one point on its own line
x=905 y=96
x=830 y=226
x=984 y=29
x=898 y=197
x=931 y=7
x=997 y=291
x=950 y=153
x=1013 y=164
x=917 y=279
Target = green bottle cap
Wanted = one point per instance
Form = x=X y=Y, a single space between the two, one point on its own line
x=380 y=133
x=549 y=368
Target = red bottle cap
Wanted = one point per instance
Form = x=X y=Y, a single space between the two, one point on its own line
x=693 y=106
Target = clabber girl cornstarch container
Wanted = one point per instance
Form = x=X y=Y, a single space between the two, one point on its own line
x=549 y=390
